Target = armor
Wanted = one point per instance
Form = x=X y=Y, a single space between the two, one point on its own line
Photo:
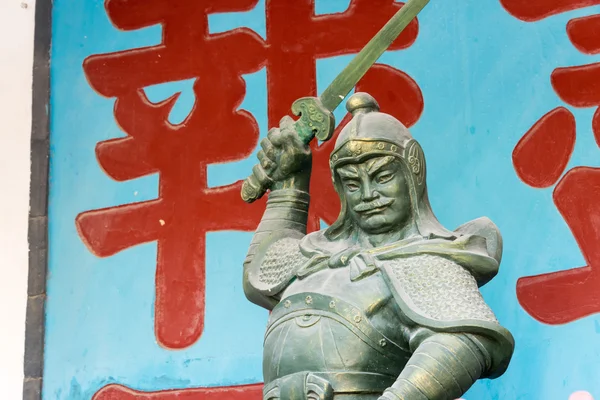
x=399 y=319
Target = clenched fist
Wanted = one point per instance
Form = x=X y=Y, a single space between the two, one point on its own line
x=285 y=162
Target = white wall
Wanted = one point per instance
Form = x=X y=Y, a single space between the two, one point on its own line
x=16 y=58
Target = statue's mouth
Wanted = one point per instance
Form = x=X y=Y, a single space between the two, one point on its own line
x=373 y=207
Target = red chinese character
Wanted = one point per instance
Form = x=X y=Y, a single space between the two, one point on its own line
x=215 y=132
x=541 y=157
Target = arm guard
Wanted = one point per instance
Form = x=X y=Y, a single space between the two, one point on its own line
x=285 y=218
x=444 y=366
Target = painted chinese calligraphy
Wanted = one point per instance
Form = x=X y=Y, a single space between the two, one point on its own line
x=541 y=157
x=186 y=208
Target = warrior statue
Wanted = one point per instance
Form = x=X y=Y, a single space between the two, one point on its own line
x=385 y=302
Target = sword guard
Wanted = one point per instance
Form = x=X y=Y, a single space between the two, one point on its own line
x=315 y=119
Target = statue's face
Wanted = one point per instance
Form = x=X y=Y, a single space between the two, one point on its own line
x=377 y=194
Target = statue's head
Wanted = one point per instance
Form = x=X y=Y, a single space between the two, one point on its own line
x=379 y=173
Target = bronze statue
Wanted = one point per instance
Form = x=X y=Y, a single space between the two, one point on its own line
x=383 y=304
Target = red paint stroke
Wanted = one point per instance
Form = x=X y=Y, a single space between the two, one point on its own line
x=596 y=126
x=118 y=392
x=396 y=92
x=584 y=33
x=187 y=50
x=216 y=131
x=543 y=153
x=578 y=86
x=565 y=296
x=535 y=10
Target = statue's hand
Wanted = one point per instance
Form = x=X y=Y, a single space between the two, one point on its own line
x=285 y=161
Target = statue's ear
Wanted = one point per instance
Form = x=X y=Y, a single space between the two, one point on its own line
x=485 y=228
x=415 y=158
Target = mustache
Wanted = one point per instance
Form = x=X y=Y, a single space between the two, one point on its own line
x=372 y=205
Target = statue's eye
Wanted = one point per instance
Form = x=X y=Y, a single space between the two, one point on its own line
x=351 y=186
x=385 y=177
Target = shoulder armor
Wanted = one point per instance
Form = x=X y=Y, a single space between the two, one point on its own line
x=437 y=288
x=439 y=294
x=486 y=229
x=275 y=265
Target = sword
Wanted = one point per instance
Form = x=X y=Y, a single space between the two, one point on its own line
x=316 y=113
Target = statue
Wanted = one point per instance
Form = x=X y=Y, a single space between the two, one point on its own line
x=384 y=303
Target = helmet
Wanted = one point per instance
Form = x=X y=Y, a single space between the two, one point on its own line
x=372 y=133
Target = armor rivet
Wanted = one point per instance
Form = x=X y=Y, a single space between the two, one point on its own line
x=380 y=145
x=335 y=157
x=308 y=300
x=332 y=304
x=287 y=304
x=394 y=147
x=383 y=342
x=356 y=149
x=357 y=318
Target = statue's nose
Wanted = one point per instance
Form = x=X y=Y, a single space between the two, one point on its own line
x=368 y=193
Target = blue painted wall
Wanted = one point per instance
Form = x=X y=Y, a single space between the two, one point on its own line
x=485 y=80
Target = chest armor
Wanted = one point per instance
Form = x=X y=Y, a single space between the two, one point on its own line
x=347 y=332
x=327 y=336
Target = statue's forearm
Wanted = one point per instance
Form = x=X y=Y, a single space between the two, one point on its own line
x=286 y=214
x=287 y=209
x=444 y=366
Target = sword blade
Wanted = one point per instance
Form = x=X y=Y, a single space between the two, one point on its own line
x=337 y=90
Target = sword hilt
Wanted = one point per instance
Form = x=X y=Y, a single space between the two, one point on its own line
x=315 y=121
